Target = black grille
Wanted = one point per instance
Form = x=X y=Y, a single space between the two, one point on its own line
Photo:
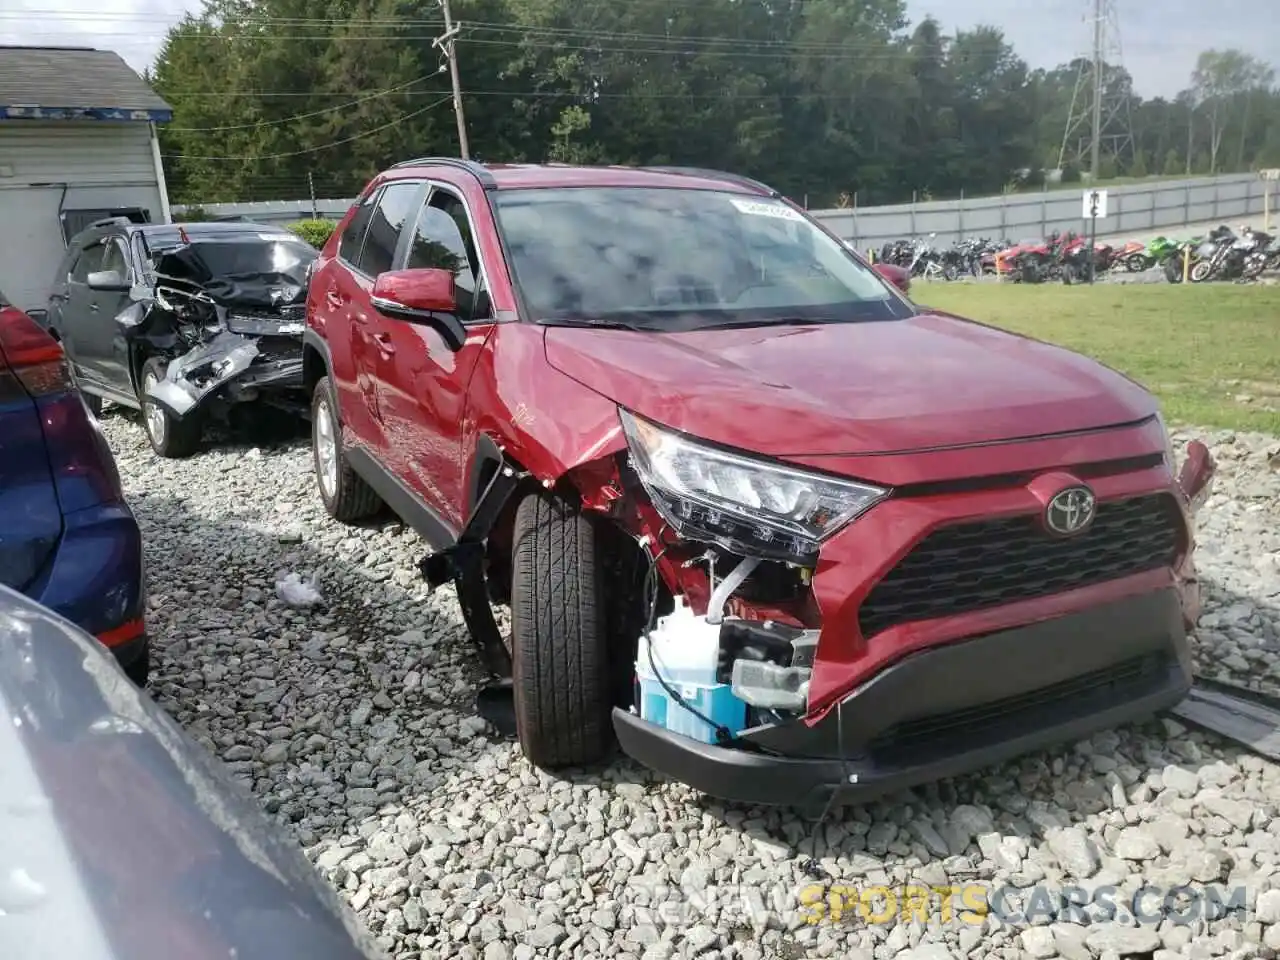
x=948 y=732
x=973 y=566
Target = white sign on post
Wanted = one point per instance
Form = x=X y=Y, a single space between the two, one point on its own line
x=1273 y=174
x=1095 y=204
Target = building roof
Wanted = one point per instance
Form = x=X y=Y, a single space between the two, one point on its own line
x=63 y=83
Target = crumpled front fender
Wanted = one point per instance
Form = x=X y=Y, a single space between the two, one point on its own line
x=226 y=356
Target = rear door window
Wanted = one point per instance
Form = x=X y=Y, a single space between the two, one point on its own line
x=352 y=240
x=385 y=227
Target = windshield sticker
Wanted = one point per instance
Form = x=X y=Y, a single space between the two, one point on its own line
x=756 y=208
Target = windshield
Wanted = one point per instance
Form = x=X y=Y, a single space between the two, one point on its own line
x=230 y=252
x=241 y=270
x=680 y=259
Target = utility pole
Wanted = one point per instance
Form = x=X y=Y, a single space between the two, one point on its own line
x=446 y=43
x=1096 y=147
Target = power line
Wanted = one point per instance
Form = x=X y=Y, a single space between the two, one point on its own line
x=324 y=146
x=525 y=30
x=300 y=116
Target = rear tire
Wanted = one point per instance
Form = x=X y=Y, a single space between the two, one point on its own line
x=170 y=437
x=346 y=497
x=559 y=636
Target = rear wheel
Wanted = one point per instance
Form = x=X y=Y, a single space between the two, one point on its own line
x=559 y=636
x=345 y=495
x=170 y=436
x=1201 y=271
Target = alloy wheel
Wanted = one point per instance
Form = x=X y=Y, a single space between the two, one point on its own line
x=153 y=417
x=325 y=441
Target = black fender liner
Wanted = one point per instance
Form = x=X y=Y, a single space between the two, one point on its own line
x=463 y=563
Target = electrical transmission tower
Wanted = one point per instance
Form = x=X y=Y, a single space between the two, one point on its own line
x=1099 y=122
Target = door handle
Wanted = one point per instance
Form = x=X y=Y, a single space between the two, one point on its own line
x=93 y=308
x=360 y=318
x=333 y=299
x=385 y=345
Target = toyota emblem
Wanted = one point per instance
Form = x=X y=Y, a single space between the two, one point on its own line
x=1070 y=511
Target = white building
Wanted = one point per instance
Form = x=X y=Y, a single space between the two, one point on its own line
x=77 y=143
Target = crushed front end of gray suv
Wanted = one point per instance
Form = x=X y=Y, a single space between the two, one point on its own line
x=228 y=316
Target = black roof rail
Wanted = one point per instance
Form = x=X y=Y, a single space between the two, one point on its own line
x=709 y=174
x=475 y=169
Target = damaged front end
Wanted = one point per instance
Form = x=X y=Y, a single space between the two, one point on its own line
x=740 y=538
x=228 y=317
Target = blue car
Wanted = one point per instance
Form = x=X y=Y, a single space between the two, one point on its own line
x=67 y=537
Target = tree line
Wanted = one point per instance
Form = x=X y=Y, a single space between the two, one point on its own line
x=832 y=101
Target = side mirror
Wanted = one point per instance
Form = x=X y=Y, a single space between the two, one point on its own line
x=421 y=296
x=896 y=275
x=107 y=280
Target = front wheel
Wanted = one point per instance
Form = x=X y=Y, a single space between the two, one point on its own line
x=559 y=636
x=1201 y=271
x=170 y=436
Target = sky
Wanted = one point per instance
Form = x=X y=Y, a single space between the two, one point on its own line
x=1160 y=39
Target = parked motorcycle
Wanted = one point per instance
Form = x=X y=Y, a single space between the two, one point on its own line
x=1134 y=257
x=1075 y=261
x=1227 y=256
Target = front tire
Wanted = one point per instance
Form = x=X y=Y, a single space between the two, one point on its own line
x=346 y=497
x=170 y=437
x=559 y=636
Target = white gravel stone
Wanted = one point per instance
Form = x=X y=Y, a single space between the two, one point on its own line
x=354 y=725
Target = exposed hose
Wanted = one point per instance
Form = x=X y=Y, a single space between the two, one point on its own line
x=724 y=590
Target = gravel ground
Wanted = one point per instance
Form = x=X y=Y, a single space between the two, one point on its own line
x=354 y=726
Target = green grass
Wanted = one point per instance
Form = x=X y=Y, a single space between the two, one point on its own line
x=1210 y=352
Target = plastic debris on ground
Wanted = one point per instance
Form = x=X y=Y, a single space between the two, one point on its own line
x=300 y=594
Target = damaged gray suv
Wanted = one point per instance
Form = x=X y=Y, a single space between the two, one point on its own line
x=183 y=321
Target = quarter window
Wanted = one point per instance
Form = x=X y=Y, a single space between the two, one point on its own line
x=385 y=227
x=442 y=240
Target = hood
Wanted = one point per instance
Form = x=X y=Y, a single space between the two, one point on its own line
x=927 y=382
x=251 y=273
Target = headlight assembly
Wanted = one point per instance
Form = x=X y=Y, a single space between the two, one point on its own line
x=1170 y=454
x=270 y=326
x=745 y=504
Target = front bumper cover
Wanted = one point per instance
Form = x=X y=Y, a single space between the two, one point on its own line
x=948 y=710
x=229 y=361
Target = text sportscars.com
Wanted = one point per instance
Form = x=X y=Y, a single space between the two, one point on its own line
x=964 y=903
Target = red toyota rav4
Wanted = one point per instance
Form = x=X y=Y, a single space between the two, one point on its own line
x=777 y=529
